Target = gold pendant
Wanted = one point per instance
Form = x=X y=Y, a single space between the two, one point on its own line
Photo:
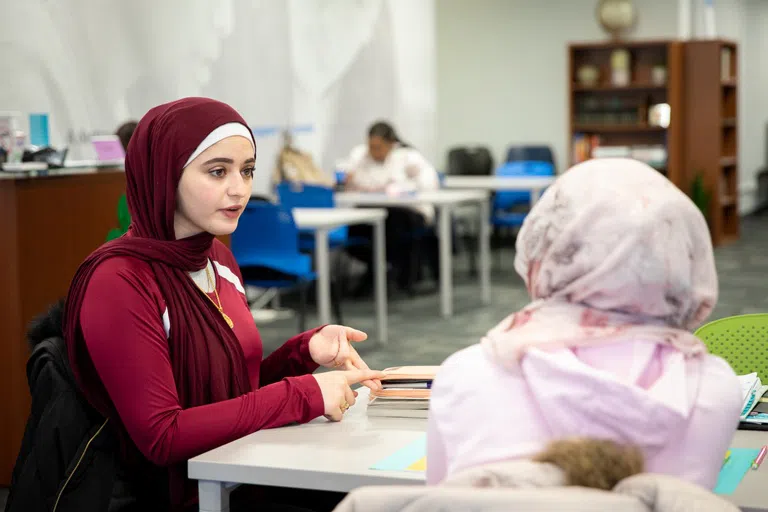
x=229 y=321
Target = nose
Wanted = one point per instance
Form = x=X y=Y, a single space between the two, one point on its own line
x=238 y=186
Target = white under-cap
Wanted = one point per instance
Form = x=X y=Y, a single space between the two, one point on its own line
x=221 y=133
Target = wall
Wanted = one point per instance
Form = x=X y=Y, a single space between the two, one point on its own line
x=328 y=68
x=753 y=142
x=502 y=66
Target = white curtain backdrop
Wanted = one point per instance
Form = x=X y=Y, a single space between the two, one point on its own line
x=325 y=68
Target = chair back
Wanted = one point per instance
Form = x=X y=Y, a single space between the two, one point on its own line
x=531 y=153
x=741 y=340
x=465 y=161
x=264 y=228
x=507 y=199
x=300 y=195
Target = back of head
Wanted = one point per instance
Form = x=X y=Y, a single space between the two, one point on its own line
x=615 y=235
x=595 y=463
x=125 y=132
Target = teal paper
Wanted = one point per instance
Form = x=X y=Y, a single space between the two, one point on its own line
x=734 y=469
x=38 y=130
x=401 y=459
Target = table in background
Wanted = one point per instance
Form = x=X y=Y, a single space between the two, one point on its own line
x=533 y=184
x=319 y=455
x=444 y=201
x=323 y=220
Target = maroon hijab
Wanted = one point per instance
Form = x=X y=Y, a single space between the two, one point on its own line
x=207 y=359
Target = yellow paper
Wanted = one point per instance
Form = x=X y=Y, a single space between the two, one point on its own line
x=419 y=465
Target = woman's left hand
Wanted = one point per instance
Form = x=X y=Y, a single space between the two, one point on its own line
x=331 y=347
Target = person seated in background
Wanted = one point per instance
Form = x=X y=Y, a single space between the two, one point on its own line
x=125 y=132
x=298 y=167
x=388 y=165
x=619 y=265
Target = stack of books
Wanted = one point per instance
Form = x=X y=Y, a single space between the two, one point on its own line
x=406 y=392
x=755 y=408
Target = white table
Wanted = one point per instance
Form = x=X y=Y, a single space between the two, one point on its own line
x=534 y=184
x=323 y=220
x=319 y=455
x=75 y=164
x=752 y=493
x=444 y=201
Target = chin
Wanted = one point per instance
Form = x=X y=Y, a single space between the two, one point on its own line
x=222 y=228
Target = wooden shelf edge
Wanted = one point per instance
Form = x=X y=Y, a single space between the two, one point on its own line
x=729 y=83
x=729 y=122
x=727 y=201
x=610 y=45
x=727 y=161
x=615 y=88
x=613 y=128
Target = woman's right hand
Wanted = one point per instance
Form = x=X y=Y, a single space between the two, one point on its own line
x=337 y=391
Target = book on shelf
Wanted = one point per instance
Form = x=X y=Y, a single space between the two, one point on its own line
x=405 y=394
x=653 y=155
x=583 y=147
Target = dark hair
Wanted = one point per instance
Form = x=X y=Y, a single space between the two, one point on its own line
x=125 y=132
x=385 y=131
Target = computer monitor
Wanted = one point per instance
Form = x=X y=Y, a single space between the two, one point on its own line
x=108 y=147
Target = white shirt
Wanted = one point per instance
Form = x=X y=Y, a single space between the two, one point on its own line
x=404 y=170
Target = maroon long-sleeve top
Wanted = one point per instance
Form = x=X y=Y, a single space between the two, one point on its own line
x=125 y=324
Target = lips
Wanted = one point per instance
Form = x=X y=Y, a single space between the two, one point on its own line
x=233 y=211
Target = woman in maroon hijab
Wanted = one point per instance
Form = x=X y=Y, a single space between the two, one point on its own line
x=157 y=325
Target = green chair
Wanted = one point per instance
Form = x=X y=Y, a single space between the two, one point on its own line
x=741 y=340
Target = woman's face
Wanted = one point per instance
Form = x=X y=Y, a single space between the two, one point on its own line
x=214 y=189
x=379 y=148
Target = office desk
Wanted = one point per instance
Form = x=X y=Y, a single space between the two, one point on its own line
x=48 y=225
x=322 y=220
x=533 y=184
x=337 y=456
x=445 y=201
x=752 y=493
x=319 y=455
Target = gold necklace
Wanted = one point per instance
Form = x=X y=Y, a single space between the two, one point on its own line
x=212 y=283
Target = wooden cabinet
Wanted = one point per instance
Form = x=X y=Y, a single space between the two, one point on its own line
x=48 y=225
x=711 y=136
x=669 y=103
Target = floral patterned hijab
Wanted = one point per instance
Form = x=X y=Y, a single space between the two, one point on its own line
x=612 y=252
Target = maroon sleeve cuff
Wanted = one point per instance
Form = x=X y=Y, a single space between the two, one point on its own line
x=313 y=396
x=305 y=337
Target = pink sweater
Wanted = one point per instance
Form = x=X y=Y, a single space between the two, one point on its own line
x=681 y=412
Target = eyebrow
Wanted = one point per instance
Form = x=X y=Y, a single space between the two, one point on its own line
x=222 y=160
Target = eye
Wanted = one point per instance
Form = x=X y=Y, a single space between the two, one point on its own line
x=217 y=173
x=248 y=173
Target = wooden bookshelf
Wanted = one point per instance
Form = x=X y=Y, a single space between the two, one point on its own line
x=711 y=135
x=701 y=136
x=610 y=114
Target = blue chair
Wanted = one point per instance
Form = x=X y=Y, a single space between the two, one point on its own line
x=531 y=154
x=299 y=195
x=265 y=246
x=503 y=201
